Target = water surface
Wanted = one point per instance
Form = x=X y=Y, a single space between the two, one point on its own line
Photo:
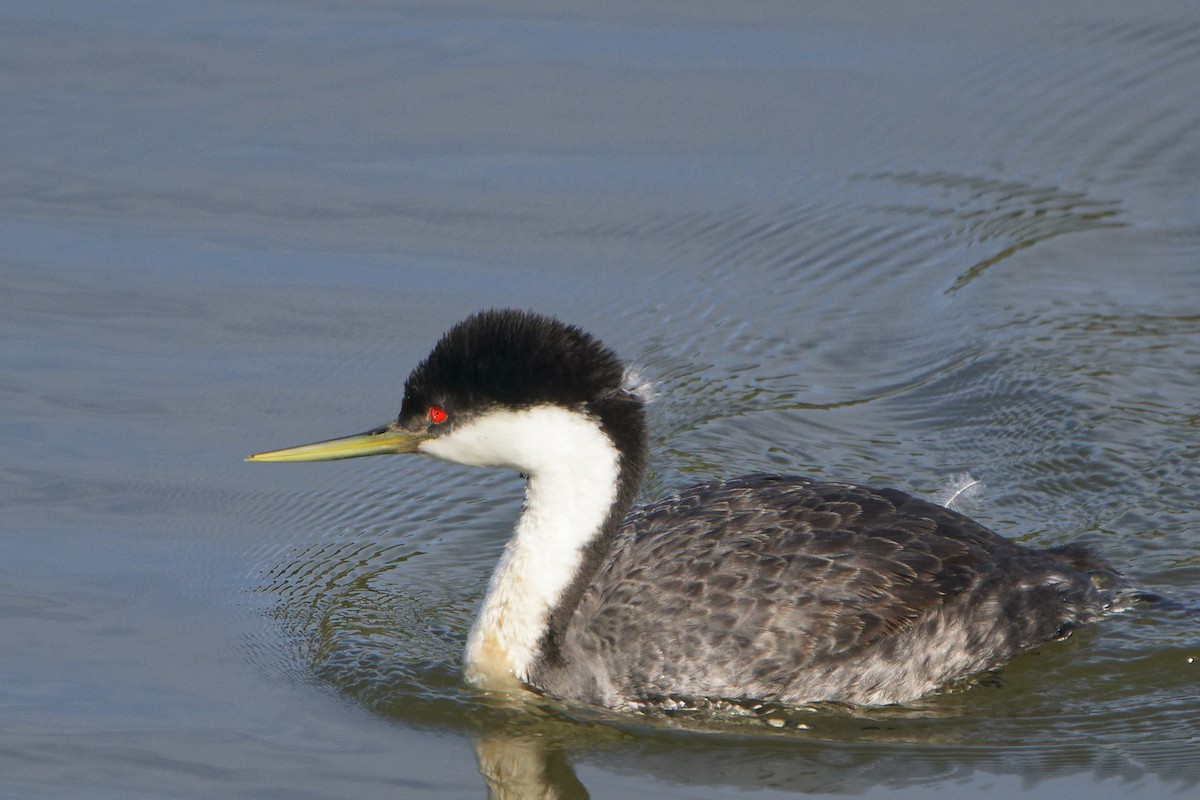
x=888 y=247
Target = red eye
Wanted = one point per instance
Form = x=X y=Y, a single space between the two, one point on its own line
x=437 y=415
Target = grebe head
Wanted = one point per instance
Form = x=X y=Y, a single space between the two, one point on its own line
x=504 y=388
x=517 y=389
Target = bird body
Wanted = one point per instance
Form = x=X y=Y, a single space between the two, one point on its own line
x=762 y=588
x=781 y=589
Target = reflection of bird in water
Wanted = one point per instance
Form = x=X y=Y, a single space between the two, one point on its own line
x=521 y=768
x=764 y=587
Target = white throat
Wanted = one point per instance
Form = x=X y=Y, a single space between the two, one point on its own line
x=573 y=469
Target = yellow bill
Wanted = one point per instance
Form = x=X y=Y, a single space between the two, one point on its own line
x=381 y=441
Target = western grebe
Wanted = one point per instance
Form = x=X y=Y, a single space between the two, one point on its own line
x=763 y=588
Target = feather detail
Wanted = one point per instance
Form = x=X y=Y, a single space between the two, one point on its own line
x=960 y=491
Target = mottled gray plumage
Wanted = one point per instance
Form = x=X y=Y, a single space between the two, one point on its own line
x=782 y=589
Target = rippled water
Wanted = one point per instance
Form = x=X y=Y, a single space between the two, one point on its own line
x=889 y=247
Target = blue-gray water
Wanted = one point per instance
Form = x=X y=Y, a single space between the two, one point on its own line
x=887 y=246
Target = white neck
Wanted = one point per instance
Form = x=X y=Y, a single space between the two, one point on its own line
x=573 y=469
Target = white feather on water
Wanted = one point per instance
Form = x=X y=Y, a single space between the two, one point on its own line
x=961 y=491
x=639 y=385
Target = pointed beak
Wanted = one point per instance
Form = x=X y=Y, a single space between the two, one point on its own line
x=380 y=441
